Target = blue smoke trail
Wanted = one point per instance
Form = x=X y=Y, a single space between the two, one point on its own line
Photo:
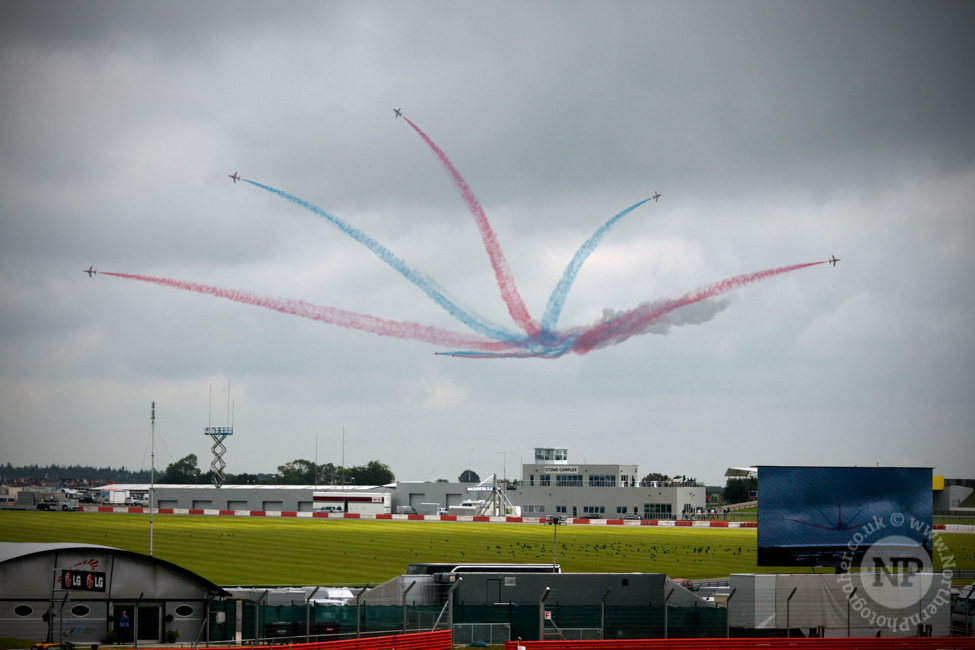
x=557 y=300
x=426 y=284
x=557 y=345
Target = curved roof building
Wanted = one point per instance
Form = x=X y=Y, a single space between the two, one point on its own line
x=82 y=592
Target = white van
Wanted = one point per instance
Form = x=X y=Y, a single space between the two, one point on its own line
x=963 y=612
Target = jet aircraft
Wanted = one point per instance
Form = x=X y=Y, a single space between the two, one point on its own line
x=833 y=260
x=398 y=111
x=840 y=525
x=90 y=271
x=656 y=196
x=234 y=176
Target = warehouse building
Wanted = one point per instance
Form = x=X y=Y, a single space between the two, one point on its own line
x=549 y=486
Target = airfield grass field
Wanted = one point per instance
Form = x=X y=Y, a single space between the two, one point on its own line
x=291 y=551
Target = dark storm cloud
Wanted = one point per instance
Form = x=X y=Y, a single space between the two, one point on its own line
x=778 y=133
x=179 y=27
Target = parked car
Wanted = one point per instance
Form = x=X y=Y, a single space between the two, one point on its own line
x=631 y=516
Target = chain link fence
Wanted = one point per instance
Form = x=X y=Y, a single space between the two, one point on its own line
x=751 y=606
x=259 y=624
x=468 y=634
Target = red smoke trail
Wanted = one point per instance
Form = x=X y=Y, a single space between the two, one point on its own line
x=620 y=328
x=332 y=316
x=502 y=272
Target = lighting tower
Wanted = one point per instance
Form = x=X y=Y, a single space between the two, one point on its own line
x=219 y=434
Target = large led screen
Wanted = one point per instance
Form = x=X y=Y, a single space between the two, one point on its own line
x=837 y=516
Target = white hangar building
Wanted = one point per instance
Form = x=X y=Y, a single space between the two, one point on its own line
x=80 y=592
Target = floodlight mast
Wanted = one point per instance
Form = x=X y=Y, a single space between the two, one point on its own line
x=556 y=521
x=343 y=456
x=152 y=471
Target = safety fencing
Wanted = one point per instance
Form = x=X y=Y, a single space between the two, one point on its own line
x=416 y=641
x=257 y=624
x=752 y=606
x=867 y=643
x=288 y=514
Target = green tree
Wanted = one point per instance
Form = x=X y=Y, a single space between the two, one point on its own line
x=183 y=470
x=373 y=473
x=297 y=472
x=469 y=476
x=327 y=474
x=736 y=489
x=654 y=476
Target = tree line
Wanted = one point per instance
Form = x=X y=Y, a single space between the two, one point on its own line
x=297 y=472
x=186 y=470
x=69 y=475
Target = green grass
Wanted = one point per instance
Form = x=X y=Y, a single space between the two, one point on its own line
x=965 y=521
x=279 y=551
x=8 y=643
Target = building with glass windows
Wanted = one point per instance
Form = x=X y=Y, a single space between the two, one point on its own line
x=552 y=485
x=549 y=486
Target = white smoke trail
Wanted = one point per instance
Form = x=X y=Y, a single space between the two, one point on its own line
x=692 y=314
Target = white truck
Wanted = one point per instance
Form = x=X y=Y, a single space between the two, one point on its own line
x=353 y=501
x=62 y=500
x=123 y=497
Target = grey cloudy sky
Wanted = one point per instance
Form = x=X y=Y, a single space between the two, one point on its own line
x=778 y=134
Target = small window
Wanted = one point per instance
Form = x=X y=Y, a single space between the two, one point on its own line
x=80 y=610
x=23 y=610
x=184 y=610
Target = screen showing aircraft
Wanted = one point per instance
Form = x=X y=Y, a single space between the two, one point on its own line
x=821 y=516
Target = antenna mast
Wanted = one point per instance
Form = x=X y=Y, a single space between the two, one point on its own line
x=152 y=473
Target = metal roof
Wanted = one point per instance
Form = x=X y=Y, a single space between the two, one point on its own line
x=145 y=487
x=741 y=472
x=11 y=551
